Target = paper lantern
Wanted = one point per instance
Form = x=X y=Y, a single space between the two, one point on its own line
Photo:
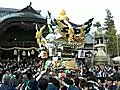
x=15 y=52
x=32 y=52
x=24 y=53
x=28 y=53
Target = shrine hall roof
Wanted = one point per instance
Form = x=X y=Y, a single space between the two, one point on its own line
x=25 y=14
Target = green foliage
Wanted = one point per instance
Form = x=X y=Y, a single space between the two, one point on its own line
x=109 y=22
x=97 y=24
x=111 y=34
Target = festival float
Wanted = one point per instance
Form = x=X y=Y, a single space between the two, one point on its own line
x=62 y=39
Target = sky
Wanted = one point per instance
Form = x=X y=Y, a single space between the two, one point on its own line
x=78 y=11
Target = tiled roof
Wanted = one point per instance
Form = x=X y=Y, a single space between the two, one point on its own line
x=17 y=15
x=27 y=12
x=7 y=11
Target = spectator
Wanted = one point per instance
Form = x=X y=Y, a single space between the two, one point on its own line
x=43 y=84
x=6 y=83
x=116 y=74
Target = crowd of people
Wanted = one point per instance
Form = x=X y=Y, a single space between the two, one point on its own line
x=30 y=74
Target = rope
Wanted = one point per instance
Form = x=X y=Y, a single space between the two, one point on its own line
x=18 y=48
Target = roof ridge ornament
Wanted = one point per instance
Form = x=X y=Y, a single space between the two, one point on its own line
x=30 y=3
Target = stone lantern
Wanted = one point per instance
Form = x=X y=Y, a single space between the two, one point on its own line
x=101 y=54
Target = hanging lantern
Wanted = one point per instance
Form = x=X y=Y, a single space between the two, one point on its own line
x=18 y=59
x=24 y=53
x=28 y=53
x=32 y=52
x=15 y=52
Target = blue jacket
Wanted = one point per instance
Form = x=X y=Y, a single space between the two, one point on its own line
x=52 y=87
x=73 y=88
x=6 y=87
